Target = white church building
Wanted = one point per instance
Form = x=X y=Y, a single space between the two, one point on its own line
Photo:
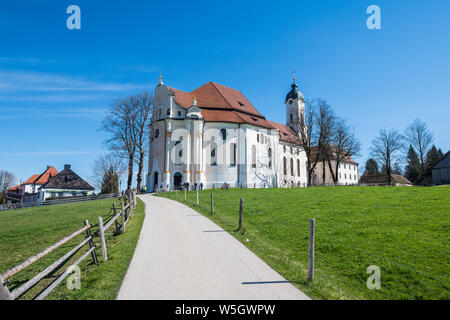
x=214 y=135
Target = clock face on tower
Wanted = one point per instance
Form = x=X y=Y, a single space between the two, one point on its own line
x=290 y=101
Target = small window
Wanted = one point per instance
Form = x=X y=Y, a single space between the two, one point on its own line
x=179 y=113
x=241 y=104
x=270 y=158
x=156 y=133
x=292 y=150
x=292 y=117
x=224 y=134
x=257 y=137
x=284 y=149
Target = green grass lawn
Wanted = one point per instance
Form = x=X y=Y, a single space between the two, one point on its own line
x=25 y=232
x=404 y=231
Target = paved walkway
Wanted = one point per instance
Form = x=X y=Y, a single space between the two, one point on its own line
x=183 y=255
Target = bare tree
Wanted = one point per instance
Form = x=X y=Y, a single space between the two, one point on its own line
x=306 y=128
x=418 y=135
x=7 y=180
x=144 y=110
x=386 y=148
x=325 y=126
x=344 y=146
x=120 y=123
x=107 y=171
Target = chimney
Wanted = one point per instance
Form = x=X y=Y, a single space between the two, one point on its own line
x=67 y=166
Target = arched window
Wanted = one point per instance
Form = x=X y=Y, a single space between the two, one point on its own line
x=270 y=158
x=284 y=149
x=257 y=137
x=298 y=167
x=292 y=117
x=292 y=167
x=254 y=156
x=156 y=133
x=284 y=166
x=233 y=154
x=223 y=132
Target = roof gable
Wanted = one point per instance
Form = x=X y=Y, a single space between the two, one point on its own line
x=67 y=179
x=47 y=175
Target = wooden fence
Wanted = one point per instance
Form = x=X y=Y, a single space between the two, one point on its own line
x=128 y=202
x=58 y=201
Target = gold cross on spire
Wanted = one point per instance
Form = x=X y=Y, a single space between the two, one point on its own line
x=293 y=72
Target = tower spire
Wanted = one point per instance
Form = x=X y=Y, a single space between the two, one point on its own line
x=160 y=79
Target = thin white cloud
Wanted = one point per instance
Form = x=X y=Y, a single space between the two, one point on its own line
x=47 y=153
x=30 y=81
x=36 y=112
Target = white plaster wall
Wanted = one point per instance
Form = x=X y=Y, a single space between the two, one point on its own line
x=347 y=173
x=284 y=151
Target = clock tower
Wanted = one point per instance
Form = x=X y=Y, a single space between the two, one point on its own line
x=295 y=106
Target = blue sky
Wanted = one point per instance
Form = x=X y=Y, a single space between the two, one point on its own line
x=56 y=84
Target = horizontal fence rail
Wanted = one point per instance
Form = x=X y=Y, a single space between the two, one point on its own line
x=58 y=201
x=128 y=202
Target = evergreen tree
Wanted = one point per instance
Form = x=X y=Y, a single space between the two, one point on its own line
x=412 y=170
x=397 y=169
x=433 y=157
x=371 y=167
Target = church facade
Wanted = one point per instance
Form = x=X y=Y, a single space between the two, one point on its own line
x=214 y=135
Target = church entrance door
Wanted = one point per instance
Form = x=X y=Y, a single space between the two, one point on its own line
x=177 y=178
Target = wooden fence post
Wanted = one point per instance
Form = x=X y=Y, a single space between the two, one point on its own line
x=196 y=190
x=176 y=194
x=102 y=238
x=311 y=250
x=212 y=203
x=185 y=193
x=115 y=221
x=91 y=243
x=4 y=292
x=241 y=208
x=122 y=213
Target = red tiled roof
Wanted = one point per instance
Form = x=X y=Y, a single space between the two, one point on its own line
x=16 y=188
x=216 y=96
x=286 y=133
x=47 y=175
x=31 y=179
x=219 y=103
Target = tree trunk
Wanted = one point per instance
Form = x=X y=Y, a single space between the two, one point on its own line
x=334 y=174
x=141 y=168
x=323 y=173
x=130 y=170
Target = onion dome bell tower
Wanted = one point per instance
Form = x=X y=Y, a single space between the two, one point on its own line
x=295 y=106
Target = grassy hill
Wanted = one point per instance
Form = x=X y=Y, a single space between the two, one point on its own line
x=25 y=232
x=404 y=231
